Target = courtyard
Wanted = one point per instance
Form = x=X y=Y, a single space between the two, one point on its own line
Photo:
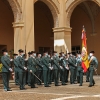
x=68 y=92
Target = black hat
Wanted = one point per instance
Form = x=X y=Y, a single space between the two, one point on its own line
x=78 y=52
x=38 y=53
x=54 y=51
x=45 y=51
x=20 y=51
x=5 y=50
x=15 y=54
x=29 y=53
x=92 y=52
x=62 y=52
x=33 y=52
x=69 y=53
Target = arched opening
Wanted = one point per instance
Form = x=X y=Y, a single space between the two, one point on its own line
x=86 y=13
x=6 y=29
x=43 y=27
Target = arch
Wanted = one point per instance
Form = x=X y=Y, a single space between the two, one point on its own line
x=16 y=9
x=53 y=8
x=70 y=6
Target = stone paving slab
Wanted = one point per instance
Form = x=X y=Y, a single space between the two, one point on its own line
x=68 y=92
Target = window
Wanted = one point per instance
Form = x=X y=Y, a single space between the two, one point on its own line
x=48 y=49
x=75 y=49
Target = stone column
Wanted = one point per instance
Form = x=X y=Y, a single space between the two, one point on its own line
x=62 y=39
x=17 y=35
x=28 y=31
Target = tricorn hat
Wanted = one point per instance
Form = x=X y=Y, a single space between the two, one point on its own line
x=29 y=53
x=38 y=53
x=33 y=52
x=92 y=52
x=54 y=51
x=20 y=51
x=69 y=53
x=15 y=54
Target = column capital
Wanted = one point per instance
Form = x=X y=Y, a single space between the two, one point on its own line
x=62 y=29
x=18 y=24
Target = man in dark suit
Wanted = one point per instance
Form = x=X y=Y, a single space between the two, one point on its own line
x=72 y=67
x=16 y=68
x=32 y=68
x=93 y=65
x=56 y=67
x=6 y=69
x=39 y=67
x=45 y=69
x=22 y=70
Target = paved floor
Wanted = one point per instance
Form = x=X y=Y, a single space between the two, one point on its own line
x=68 y=92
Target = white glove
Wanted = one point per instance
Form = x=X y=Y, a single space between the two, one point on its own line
x=61 y=67
x=30 y=71
x=50 y=68
x=67 y=68
x=26 y=59
x=10 y=69
x=95 y=69
x=25 y=68
x=51 y=58
x=11 y=59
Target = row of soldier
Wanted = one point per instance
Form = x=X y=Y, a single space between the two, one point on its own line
x=46 y=68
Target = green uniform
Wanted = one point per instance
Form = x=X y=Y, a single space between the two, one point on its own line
x=49 y=71
x=39 y=69
x=65 y=70
x=28 y=75
x=45 y=70
x=92 y=66
x=56 y=68
x=16 y=70
x=5 y=60
x=87 y=75
x=21 y=72
x=32 y=66
x=72 y=66
x=62 y=71
x=79 y=71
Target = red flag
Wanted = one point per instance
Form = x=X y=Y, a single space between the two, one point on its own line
x=85 y=62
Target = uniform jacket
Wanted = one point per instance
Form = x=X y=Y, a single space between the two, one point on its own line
x=5 y=60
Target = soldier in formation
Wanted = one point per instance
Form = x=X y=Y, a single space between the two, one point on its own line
x=46 y=68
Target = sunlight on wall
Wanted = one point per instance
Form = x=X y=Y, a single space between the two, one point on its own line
x=60 y=43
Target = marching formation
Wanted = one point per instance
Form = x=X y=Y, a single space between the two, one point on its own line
x=46 y=68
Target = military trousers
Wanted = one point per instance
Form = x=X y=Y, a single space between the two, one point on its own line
x=72 y=72
x=75 y=74
x=87 y=75
x=22 y=78
x=16 y=77
x=56 y=75
x=6 y=77
x=91 y=72
x=40 y=76
x=33 y=79
x=45 y=77
x=66 y=75
x=80 y=76
x=49 y=74
x=62 y=73
x=29 y=78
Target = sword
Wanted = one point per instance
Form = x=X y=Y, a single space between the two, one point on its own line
x=36 y=77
